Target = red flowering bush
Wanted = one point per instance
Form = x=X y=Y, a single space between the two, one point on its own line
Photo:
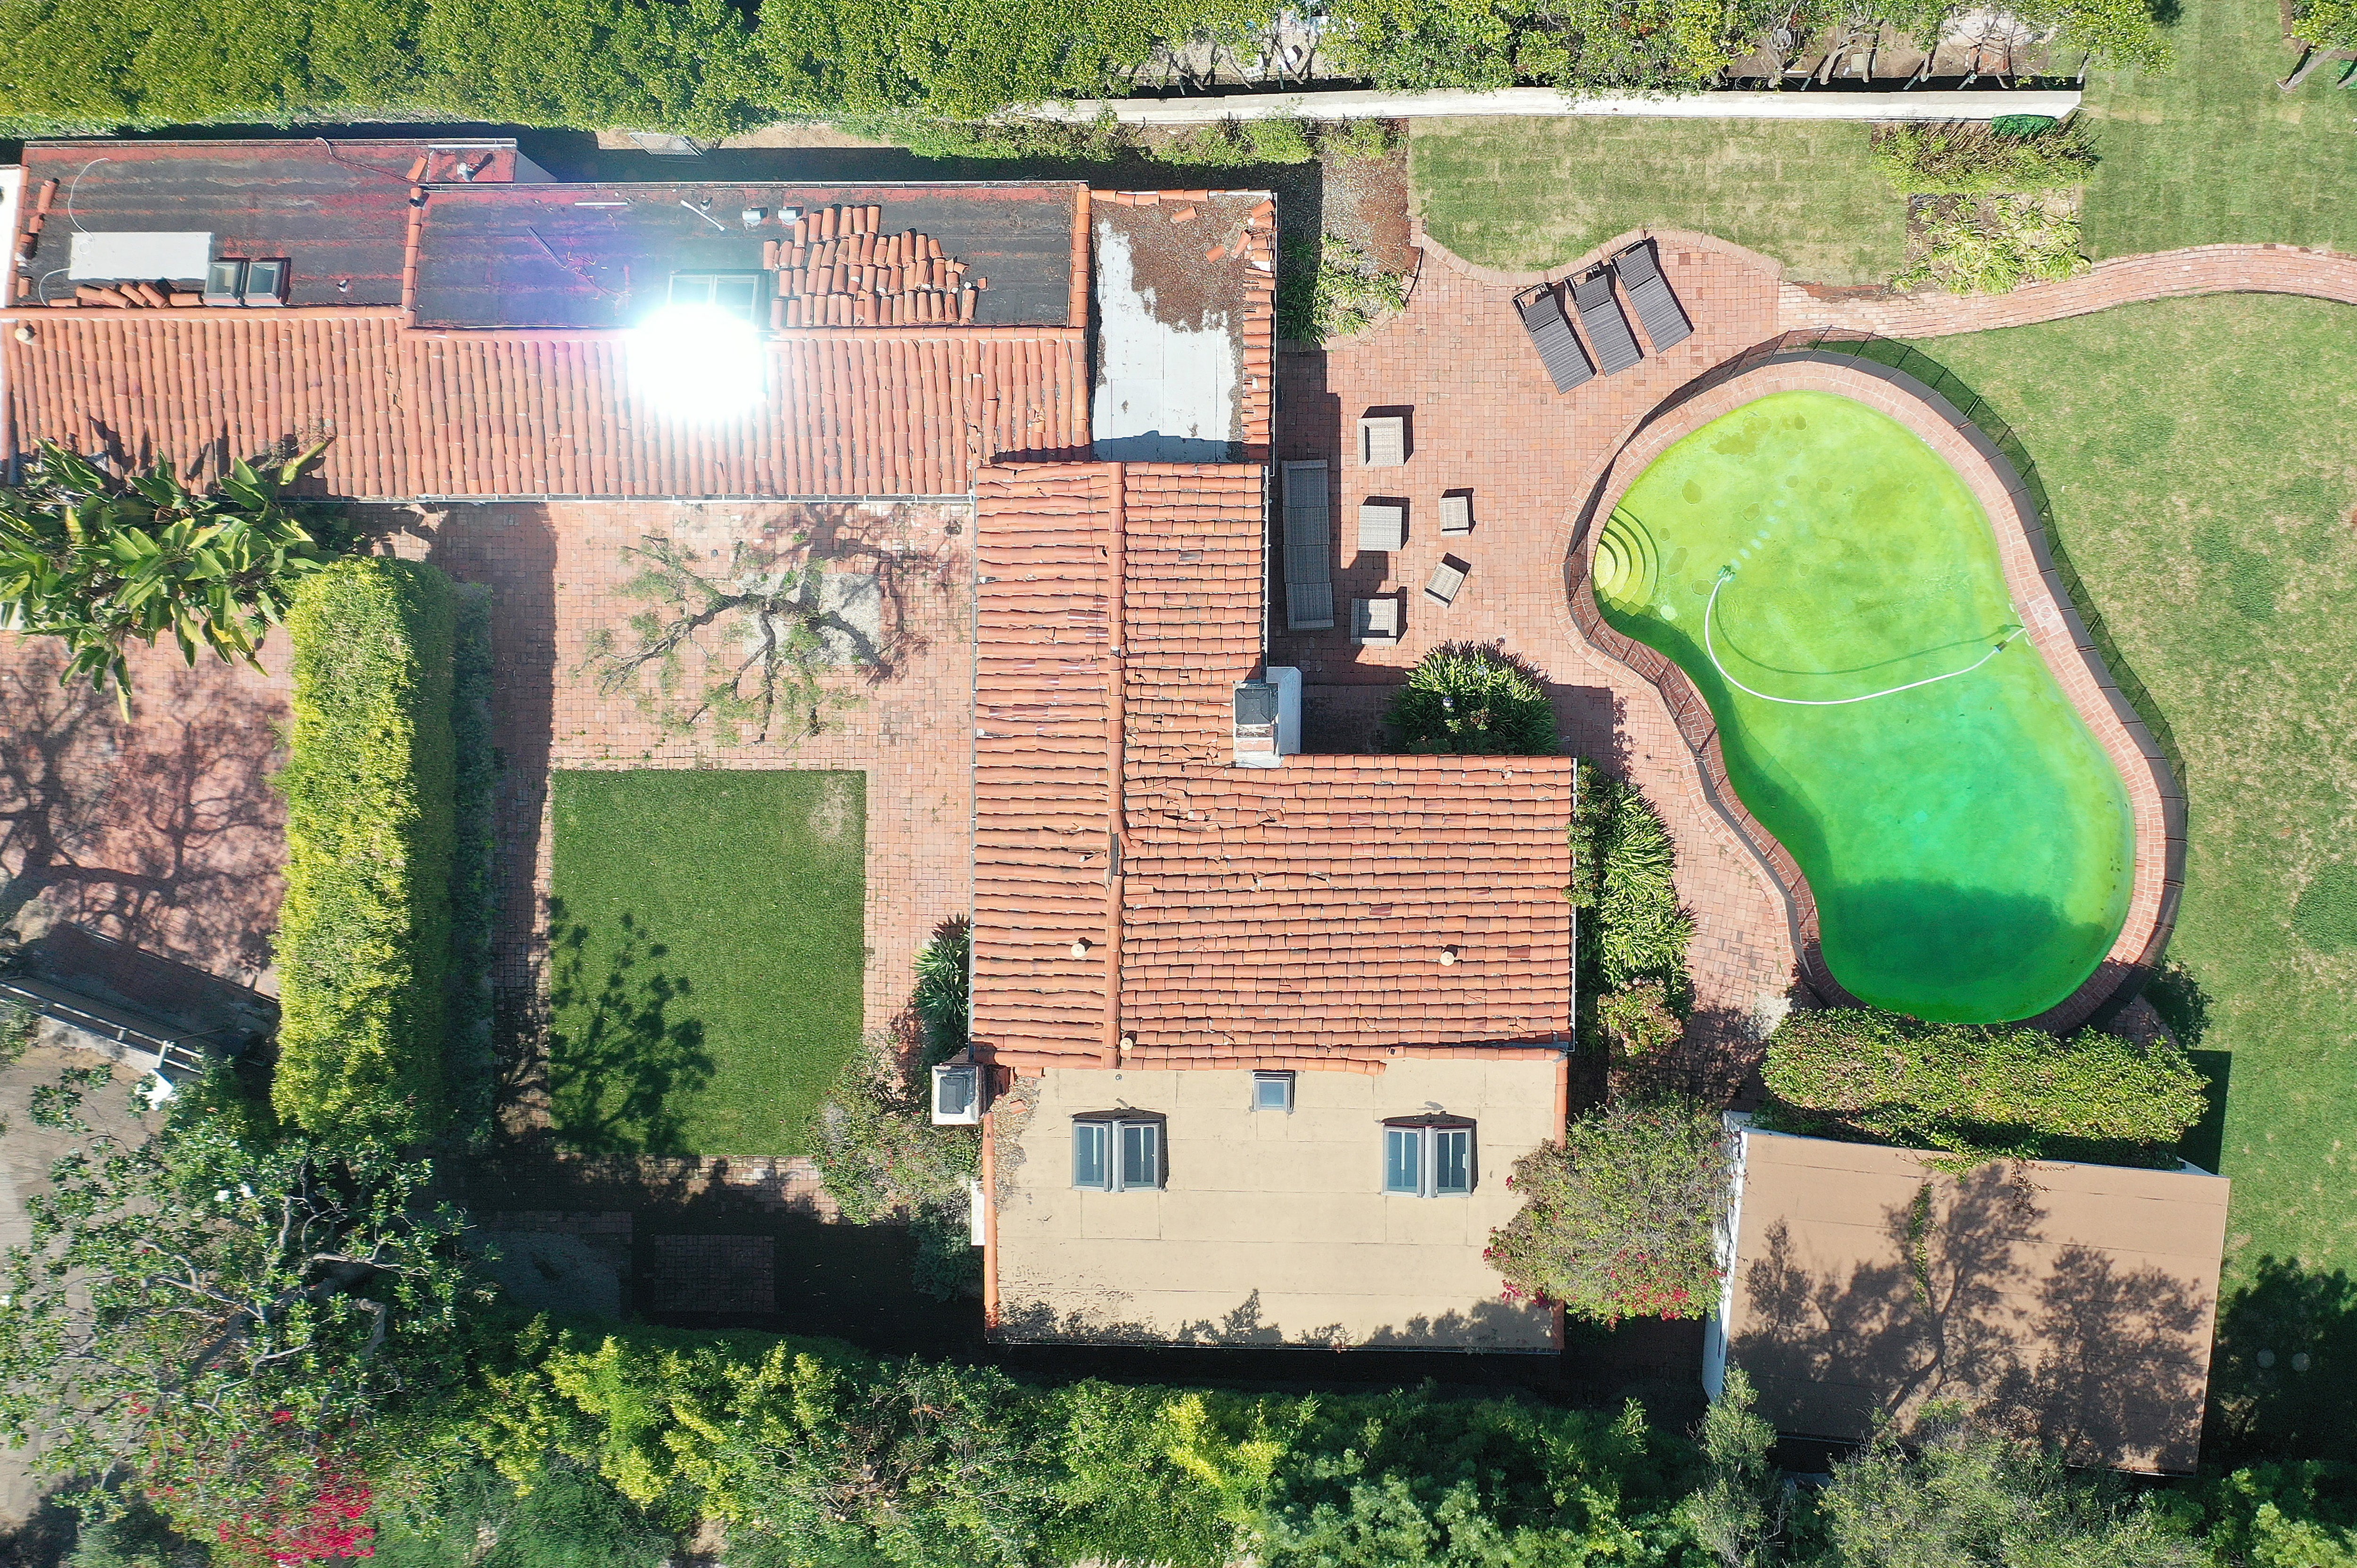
x=304 y=1522
x=1618 y=1219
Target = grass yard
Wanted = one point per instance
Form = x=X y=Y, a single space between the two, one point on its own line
x=708 y=937
x=2205 y=152
x=1533 y=193
x=2198 y=456
x=2211 y=151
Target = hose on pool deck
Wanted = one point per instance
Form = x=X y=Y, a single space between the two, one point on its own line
x=1726 y=572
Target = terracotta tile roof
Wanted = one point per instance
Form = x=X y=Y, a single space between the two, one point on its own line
x=1044 y=542
x=418 y=413
x=1292 y=914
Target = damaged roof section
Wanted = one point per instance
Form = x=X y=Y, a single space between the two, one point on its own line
x=1186 y=285
x=605 y=256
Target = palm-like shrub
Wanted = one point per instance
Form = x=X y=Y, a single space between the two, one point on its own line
x=1616 y=1219
x=941 y=998
x=1471 y=698
x=103 y=562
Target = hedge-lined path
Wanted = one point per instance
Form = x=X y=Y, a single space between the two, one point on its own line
x=2124 y=280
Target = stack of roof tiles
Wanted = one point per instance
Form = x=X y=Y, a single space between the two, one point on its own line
x=1232 y=915
x=837 y=271
x=427 y=415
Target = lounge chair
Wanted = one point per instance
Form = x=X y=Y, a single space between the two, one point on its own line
x=1600 y=313
x=1456 y=512
x=1309 y=549
x=1640 y=269
x=1375 y=620
x=1447 y=579
x=1566 y=363
x=1383 y=524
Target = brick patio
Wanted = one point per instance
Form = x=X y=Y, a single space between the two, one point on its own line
x=1484 y=417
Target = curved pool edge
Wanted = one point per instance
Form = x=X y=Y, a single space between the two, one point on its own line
x=2056 y=630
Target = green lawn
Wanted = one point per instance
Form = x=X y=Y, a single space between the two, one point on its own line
x=2198 y=454
x=1533 y=193
x=2211 y=151
x=708 y=937
x=2207 y=151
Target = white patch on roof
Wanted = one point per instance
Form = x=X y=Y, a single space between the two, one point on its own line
x=1166 y=393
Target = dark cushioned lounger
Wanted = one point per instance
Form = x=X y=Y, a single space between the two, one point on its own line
x=1640 y=267
x=1600 y=313
x=1551 y=333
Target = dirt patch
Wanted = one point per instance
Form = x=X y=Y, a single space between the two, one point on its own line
x=831 y=814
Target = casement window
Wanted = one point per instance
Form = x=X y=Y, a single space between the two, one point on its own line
x=1273 y=1091
x=1427 y=1157
x=1116 y=1153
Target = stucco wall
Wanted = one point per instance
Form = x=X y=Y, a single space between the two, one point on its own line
x=1271 y=1229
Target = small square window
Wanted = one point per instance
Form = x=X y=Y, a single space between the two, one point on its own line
x=1273 y=1091
x=1452 y=1159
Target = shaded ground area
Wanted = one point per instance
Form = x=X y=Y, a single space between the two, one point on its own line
x=1532 y=193
x=160 y=831
x=2197 y=455
x=706 y=947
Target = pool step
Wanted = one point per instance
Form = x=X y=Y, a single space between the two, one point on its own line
x=1628 y=565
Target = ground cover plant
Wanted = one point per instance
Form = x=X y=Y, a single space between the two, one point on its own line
x=2197 y=461
x=706 y=931
x=363 y=942
x=1994 y=244
x=1633 y=986
x=1982 y=160
x=1980 y=1092
x=1617 y=1219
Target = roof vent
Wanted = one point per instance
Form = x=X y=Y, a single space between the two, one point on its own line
x=957 y=1094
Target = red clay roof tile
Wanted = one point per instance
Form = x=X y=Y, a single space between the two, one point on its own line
x=419 y=414
x=1294 y=914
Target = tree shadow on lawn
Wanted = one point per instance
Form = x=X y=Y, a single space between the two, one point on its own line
x=2281 y=1385
x=626 y=1054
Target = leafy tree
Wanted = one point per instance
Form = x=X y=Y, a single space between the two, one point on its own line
x=1616 y=1219
x=1738 y=1514
x=2282 y=1516
x=103 y=562
x=1958 y=1493
x=246 y=1320
x=1469 y=697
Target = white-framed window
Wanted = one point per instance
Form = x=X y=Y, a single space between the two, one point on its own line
x=1428 y=1158
x=1116 y=1153
x=739 y=294
x=1273 y=1091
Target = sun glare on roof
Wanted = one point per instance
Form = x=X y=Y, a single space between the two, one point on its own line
x=696 y=361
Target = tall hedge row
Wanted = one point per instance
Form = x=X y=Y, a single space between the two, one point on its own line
x=1981 y=1091
x=364 y=934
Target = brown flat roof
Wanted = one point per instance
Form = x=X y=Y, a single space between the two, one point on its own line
x=2076 y=1301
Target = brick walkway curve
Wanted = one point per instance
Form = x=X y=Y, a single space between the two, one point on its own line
x=2123 y=280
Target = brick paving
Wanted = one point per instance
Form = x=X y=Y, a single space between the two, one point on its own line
x=2123 y=280
x=714 y=1275
x=557 y=571
x=161 y=830
x=1484 y=416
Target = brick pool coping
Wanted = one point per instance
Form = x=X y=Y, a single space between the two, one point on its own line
x=2055 y=630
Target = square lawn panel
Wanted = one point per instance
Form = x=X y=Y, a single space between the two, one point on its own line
x=707 y=938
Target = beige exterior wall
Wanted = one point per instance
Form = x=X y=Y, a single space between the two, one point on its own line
x=1270 y=1229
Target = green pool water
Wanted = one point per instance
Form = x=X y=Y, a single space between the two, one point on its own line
x=1969 y=843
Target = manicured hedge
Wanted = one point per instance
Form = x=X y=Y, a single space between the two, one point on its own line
x=1981 y=1091
x=364 y=934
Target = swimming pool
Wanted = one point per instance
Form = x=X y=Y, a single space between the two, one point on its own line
x=1832 y=588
